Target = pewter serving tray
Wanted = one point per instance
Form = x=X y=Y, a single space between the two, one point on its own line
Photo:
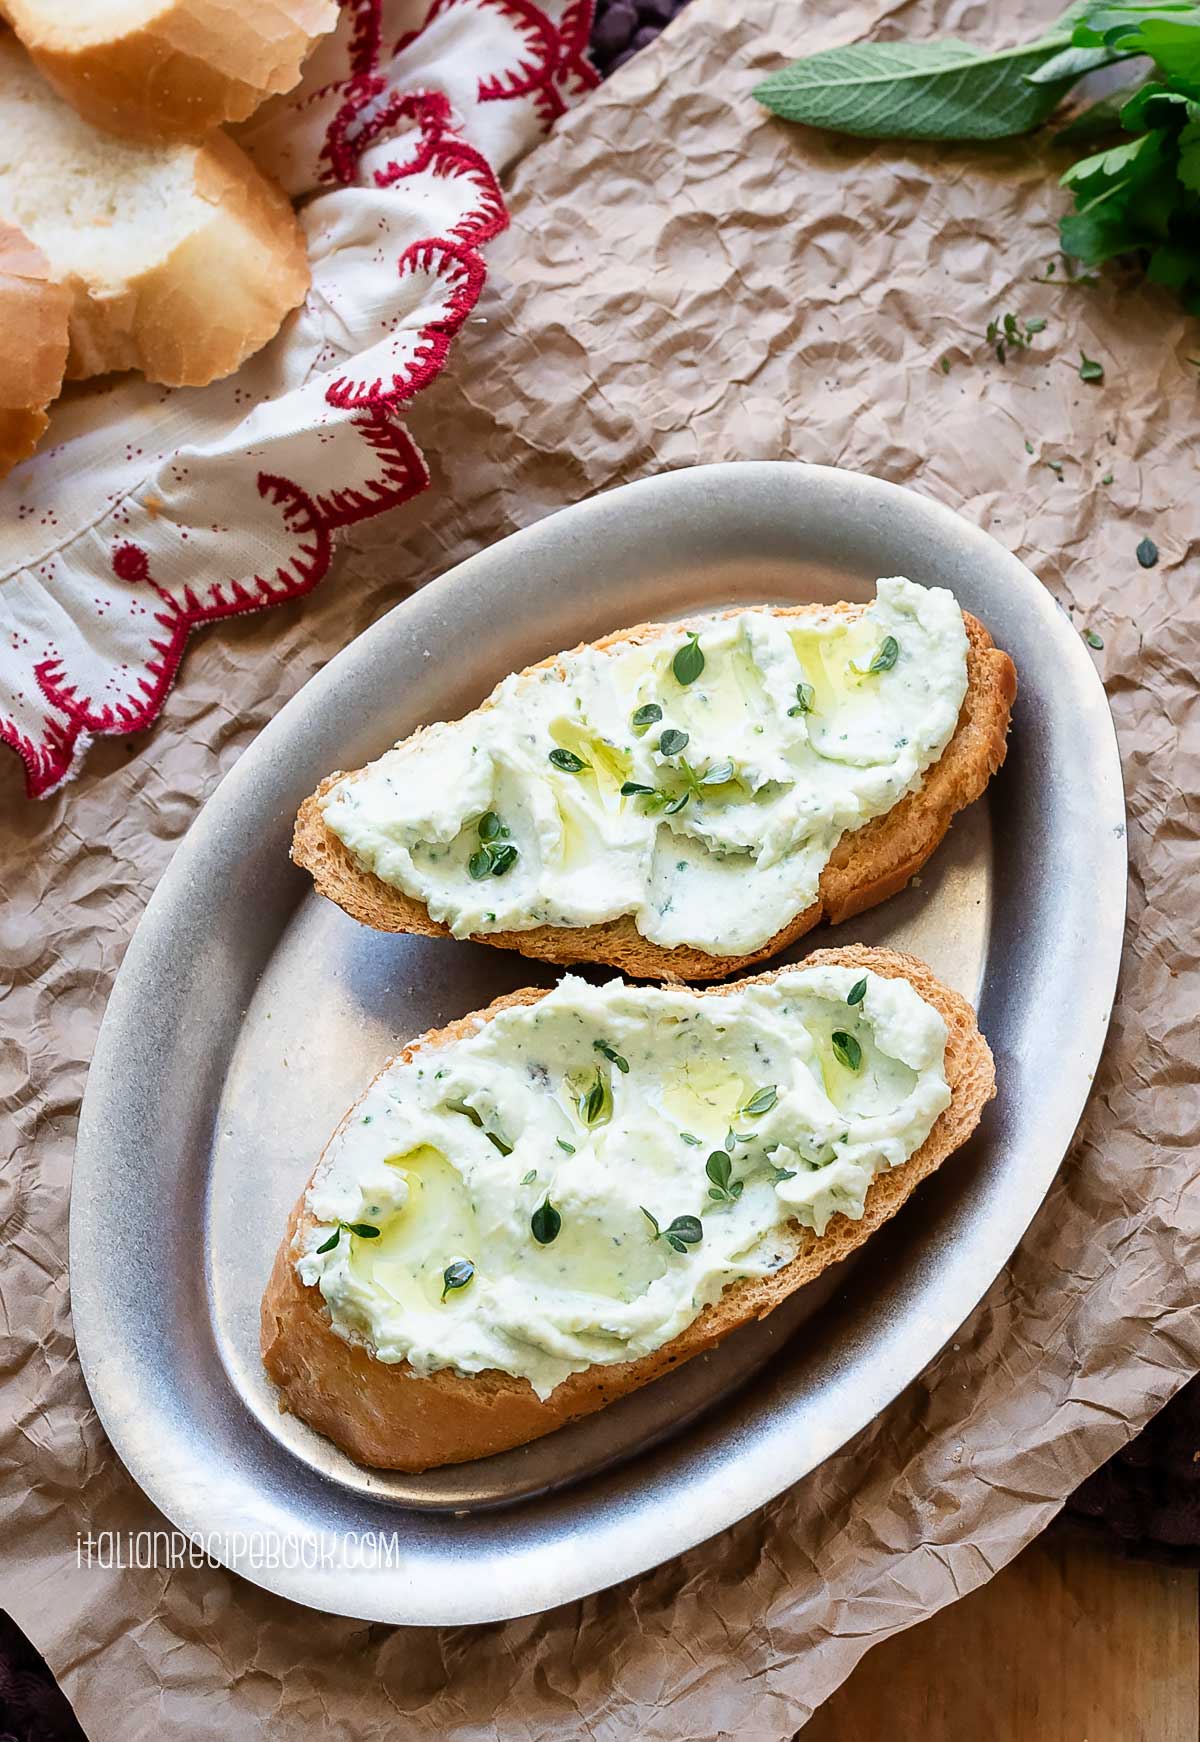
x=248 y=1014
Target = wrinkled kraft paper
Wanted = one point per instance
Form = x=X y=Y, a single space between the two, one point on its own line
x=689 y=281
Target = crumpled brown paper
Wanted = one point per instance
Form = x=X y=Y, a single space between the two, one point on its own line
x=690 y=281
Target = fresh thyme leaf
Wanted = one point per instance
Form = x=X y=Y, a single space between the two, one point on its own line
x=457 y=1275
x=846 y=1050
x=730 y=1140
x=630 y=787
x=532 y=1174
x=782 y=1173
x=1056 y=466
x=652 y=1221
x=1147 y=553
x=688 y=663
x=649 y=714
x=683 y=1232
x=724 y=1188
x=364 y=1230
x=761 y=1101
x=857 y=992
x=501 y=1145
x=1092 y=639
x=887 y=656
x=718 y=1167
x=545 y=1223
x=717 y=775
x=672 y=742
x=676 y=804
x=612 y=1056
x=479 y=865
x=567 y=1148
x=568 y=761
x=1089 y=369
x=689 y=1138
x=805 y=697
x=504 y=857
x=1107 y=478
x=328 y=1245
x=591 y=1105
x=488 y=826
x=1037 y=325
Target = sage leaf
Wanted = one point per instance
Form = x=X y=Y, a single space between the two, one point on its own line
x=919 y=90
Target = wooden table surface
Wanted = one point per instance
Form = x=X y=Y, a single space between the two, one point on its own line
x=1068 y=1644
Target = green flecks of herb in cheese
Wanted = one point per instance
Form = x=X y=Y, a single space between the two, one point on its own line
x=612 y=1056
x=688 y=662
x=782 y=1173
x=806 y=695
x=568 y=762
x=649 y=714
x=545 y=1223
x=683 y=1232
x=724 y=1188
x=846 y=1050
x=456 y=1275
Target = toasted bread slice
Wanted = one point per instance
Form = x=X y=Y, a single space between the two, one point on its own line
x=866 y=866
x=168 y=69
x=33 y=318
x=387 y=1416
x=179 y=260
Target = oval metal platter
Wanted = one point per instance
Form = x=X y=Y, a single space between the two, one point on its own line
x=248 y=1014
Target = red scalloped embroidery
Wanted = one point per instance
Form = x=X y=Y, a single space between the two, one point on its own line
x=556 y=57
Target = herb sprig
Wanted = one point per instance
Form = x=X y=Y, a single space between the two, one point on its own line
x=1138 y=195
x=496 y=853
x=683 y=1232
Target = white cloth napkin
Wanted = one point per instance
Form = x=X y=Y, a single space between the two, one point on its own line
x=149 y=510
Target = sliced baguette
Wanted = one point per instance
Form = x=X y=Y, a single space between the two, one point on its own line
x=389 y=1417
x=866 y=866
x=156 y=70
x=179 y=260
x=33 y=319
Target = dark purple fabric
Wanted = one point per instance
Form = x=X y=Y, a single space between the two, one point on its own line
x=32 y=1709
x=622 y=27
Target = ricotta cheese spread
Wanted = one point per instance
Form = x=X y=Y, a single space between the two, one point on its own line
x=572 y=1183
x=697 y=780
